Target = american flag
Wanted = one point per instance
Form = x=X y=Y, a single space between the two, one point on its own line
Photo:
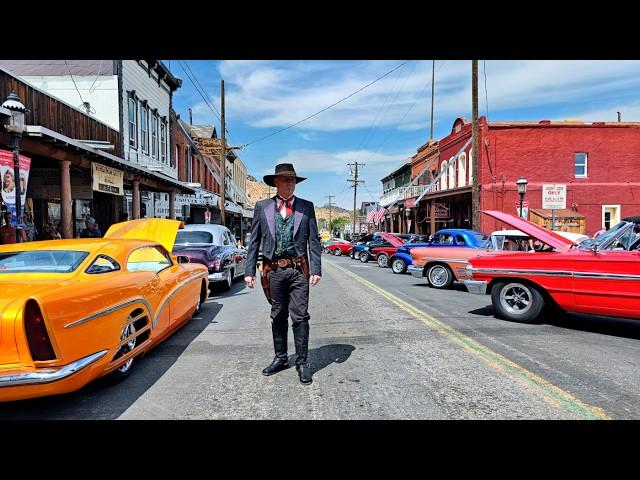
x=375 y=213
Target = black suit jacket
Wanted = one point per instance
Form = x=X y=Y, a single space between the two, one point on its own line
x=305 y=234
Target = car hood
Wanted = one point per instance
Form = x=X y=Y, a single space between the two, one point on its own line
x=392 y=239
x=161 y=230
x=535 y=231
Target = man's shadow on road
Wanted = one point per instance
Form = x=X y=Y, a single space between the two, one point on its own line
x=324 y=356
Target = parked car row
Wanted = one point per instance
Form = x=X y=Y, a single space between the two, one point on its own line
x=527 y=269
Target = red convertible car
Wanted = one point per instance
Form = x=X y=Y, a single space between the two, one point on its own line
x=339 y=247
x=600 y=277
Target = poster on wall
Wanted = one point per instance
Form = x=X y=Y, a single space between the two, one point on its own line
x=9 y=182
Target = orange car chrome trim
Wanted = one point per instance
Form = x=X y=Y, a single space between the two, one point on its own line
x=47 y=375
x=515 y=271
x=175 y=290
x=456 y=260
x=109 y=310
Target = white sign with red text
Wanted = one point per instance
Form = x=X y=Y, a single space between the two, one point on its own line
x=554 y=196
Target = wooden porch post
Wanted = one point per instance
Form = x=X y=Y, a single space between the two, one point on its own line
x=135 y=202
x=66 y=211
x=172 y=204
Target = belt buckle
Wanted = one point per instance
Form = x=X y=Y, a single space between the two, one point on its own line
x=282 y=262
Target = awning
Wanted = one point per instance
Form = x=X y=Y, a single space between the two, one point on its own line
x=66 y=143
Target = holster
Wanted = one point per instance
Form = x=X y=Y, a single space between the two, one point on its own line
x=264 y=280
x=304 y=266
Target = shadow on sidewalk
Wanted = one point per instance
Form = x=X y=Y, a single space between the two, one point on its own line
x=326 y=355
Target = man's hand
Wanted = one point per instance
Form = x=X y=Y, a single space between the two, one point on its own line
x=314 y=279
x=250 y=281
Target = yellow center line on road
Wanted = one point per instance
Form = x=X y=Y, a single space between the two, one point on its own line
x=549 y=392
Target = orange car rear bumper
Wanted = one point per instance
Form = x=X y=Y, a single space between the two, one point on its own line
x=16 y=384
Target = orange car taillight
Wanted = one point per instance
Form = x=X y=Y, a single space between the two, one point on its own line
x=37 y=336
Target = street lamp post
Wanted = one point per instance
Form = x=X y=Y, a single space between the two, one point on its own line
x=15 y=129
x=522 y=189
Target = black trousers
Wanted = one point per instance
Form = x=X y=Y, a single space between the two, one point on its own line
x=290 y=295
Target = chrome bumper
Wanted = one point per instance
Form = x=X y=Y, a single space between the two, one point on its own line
x=415 y=270
x=47 y=375
x=218 y=276
x=476 y=286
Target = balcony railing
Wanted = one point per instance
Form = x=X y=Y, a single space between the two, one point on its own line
x=402 y=193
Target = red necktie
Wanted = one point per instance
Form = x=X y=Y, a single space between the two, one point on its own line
x=288 y=205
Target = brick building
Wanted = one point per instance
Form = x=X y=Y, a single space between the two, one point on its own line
x=596 y=161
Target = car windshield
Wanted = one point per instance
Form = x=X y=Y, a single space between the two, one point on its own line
x=621 y=237
x=194 y=236
x=41 y=261
x=480 y=237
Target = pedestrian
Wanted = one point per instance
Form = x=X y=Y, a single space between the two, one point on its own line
x=286 y=231
x=91 y=230
x=30 y=229
x=8 y=231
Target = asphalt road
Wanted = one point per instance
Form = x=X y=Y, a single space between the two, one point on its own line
x=382 y=346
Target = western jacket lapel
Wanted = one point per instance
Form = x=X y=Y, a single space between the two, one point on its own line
x=297 y=206
x=269 y=212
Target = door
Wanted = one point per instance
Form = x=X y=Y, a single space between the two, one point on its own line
x=610 y=216
x=153 y=258
x=608 y=283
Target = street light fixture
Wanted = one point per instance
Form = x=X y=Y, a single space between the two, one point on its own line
x=15 y=128
x=522 y=189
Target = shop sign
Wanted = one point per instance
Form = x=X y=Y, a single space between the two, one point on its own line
x=442 y=210
x=107 y=179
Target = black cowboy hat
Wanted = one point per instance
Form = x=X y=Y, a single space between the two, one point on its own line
x=285 y=170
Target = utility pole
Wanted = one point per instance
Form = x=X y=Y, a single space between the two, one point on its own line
x=433 y=83
x=223 y=158
x=355 y=182
x=330 y=197
x=475 y=188
x=190 y=117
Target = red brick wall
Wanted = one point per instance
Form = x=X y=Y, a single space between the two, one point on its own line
x=545 y=154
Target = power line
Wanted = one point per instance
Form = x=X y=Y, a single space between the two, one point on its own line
x=74 y=83
x=97 y=76
x=202 y=91
x=327 y=108
x=379 y=116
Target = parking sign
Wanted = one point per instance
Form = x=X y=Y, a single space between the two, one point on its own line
x=554 y=196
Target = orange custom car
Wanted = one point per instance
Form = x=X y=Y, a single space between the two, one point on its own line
x=443 y=265
x=75 y=310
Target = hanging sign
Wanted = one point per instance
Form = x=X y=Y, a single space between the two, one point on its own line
x=107 y=179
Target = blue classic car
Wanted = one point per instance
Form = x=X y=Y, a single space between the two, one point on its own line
x=364 y=243
x=451 y=237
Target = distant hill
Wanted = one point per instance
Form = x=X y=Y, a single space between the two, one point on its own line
x=258 y=190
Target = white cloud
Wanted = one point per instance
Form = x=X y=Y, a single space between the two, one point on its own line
x=272 y=95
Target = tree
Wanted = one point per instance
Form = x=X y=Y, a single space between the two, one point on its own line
x=338 y=223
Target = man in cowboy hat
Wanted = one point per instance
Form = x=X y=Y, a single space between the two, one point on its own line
x=286 y=228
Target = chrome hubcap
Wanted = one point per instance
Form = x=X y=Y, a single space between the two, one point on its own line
x=397 y=266
x=438 y=276
x=516 y=298
x=127 y=331
x=383 y=261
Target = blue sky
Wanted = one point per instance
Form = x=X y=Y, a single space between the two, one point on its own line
x=385 y=123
